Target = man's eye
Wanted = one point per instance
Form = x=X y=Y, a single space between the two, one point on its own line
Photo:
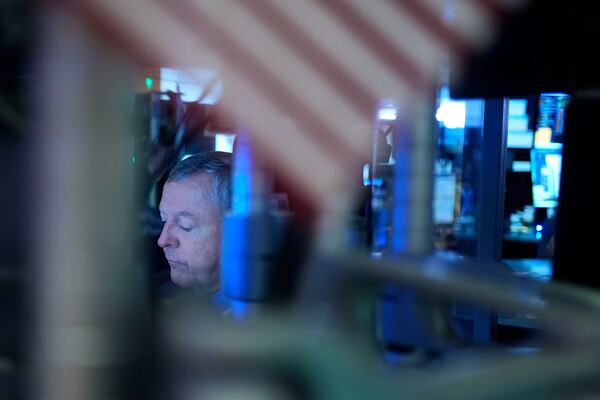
x=185 y=228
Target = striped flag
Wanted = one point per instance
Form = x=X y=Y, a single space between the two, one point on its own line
x=305 y=76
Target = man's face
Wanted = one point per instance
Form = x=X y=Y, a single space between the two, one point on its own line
x=191 y=235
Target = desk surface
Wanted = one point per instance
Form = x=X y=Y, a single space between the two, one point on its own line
x=539 y=269
x=529 y=237
x=536 y=268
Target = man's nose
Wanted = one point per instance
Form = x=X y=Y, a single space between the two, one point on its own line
x=166 y=239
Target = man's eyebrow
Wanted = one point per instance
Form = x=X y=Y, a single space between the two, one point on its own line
x=179 y=214
x=184 y=214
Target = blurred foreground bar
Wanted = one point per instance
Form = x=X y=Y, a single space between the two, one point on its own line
x=88 y=282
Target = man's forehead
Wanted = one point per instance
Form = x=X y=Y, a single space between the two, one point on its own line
x=200 y=180
x=187 y=195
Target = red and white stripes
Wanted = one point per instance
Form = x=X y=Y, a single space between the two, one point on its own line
x=305 y=76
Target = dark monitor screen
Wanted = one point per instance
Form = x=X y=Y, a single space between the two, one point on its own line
x=546 y=164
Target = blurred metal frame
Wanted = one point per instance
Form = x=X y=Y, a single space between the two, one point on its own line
x=323 y=344
x=87 y=283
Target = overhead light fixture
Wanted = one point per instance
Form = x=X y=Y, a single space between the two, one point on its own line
x=224 y=142
x=451 y=113
x=387 y=114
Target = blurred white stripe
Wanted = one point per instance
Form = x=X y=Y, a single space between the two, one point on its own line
x=304 y=163
x=470 y=19
x=322 y=27
x=297 y=74
x=410 y=37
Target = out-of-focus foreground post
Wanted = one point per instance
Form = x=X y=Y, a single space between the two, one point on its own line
x=87 y=278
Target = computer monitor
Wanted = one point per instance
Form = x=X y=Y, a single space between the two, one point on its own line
x=519 y=135
x=444 y=199
x=551 y=114
x=546 y=164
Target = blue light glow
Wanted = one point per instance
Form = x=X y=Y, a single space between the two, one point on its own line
x=224 y=142
x=387 y=114
x=538 y=228
x=186 y=156
x=451 y=113
x=366 y=180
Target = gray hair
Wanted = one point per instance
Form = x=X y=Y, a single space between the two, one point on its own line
x=215 y=163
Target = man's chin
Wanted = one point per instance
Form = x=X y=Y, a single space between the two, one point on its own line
x=182 y=280
x=187 y=281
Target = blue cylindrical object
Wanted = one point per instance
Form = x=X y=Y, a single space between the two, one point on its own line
x=252 y=247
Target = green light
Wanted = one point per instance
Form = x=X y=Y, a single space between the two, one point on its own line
x=149 y=82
